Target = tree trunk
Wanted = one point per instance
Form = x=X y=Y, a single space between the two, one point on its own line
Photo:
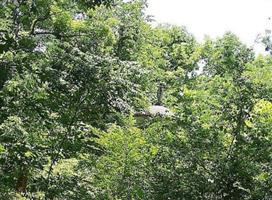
x=21 y=184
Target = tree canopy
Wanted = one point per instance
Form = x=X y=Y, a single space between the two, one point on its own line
x=77 y=79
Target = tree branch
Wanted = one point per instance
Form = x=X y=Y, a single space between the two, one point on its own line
x=58 y=35
x=35 y=21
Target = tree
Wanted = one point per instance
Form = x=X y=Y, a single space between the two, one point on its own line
x=56 y=86
x=74 y=73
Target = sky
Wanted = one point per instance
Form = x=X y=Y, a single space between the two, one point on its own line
x=245 y=18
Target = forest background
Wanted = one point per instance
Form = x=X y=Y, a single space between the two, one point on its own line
x=77 y=80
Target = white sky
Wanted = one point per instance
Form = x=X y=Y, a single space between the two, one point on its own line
x=245 y=18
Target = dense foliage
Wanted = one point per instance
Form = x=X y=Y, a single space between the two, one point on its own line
x=74 y=75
